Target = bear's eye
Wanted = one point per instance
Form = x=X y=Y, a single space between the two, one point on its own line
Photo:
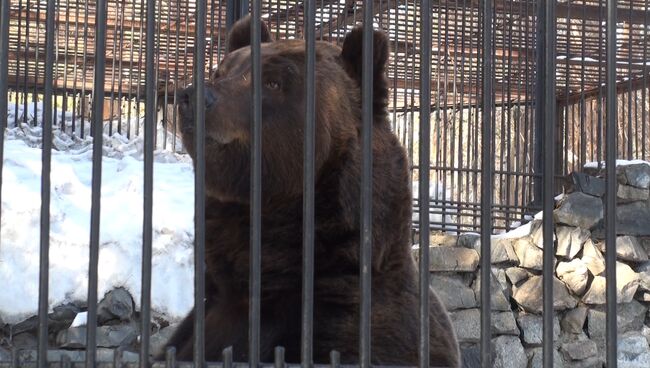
x=273 y=85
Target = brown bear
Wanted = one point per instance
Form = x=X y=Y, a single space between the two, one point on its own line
x=338 y=161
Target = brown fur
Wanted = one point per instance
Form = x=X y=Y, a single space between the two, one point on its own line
x=337 y=235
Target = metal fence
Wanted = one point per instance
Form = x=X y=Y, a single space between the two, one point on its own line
x=488 y=106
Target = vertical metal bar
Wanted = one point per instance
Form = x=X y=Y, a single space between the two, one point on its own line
x=26 y=56
x=36 y=63
x=278 y=355
x=486 y=186
x=256 y=189
x=130 y=93
x=199 y=185
x=74 y=69
x=147 y=233
x=610 y=196
x=83 y=68
x=227 y=357
x=4 y=78
x=366 y=187
x=599 y=133
x=64 y=90
x=309 y=186
x=548 y=120
x=97 y=121
x=46 y=161
x=630 y=131
x=112 y=94
x=18 y=68
x=170 y=357
x=120 y=54
x=425 y=162
x=644 y=111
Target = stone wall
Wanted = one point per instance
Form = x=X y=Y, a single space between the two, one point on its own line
x=579 y=279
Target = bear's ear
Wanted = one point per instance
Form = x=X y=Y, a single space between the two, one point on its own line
x=240 y=34
x=352 y=56
x=352 y=53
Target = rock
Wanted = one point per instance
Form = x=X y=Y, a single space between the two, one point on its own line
x=593 y=258
x=453 y=259
x=629 y=318
x=645 y=331
x=469 y=240
x=471 y=356
x=633 y=350
x=502 y=251
x=117 y=304
x=570 y=241
x=633 y=219
x=504 y=324
x=537 y=234
x=627 y=193
x=593 y=362
x=516 y=274
x=159 y=339
x=532 y=328
x=579 y=349
x=529 y=295
x=643 y=297
x=5 y=355
x=574 y=320
x=529 y=255
x=626 y=285
x=24 y=340
x=467 y=324
x=588 y=184
x=107 y=336
x=628 y=248
x=637 y=175
x=574 y=274
x=453 y=292
x=643 y=271
x=580 y=210
x=508 y=352
x=499 y=301
x=443 y=240
x=537 y=358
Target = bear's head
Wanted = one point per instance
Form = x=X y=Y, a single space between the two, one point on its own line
x=228 y=103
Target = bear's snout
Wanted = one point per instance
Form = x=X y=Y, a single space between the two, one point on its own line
x=186 y=103
x=187 y=97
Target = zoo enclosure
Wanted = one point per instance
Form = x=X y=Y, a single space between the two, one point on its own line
x=455 y=78
x=534 y=63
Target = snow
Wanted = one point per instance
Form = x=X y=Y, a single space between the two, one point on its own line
x=121 y=223
x=593 y=165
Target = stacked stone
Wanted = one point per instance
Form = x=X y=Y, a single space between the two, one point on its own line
x=579 y=279
x=118 y=333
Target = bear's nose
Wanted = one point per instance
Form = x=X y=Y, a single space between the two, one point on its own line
x=188 y=95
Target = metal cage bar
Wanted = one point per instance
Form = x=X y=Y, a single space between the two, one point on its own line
x=486 y=185
x=309 y=186
x=199 y=184
x=424 y=162
x=255 y=188
x=365 y=259
x=147 y=226
x=46 y=162
x=97 y=121
x=610 y=192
